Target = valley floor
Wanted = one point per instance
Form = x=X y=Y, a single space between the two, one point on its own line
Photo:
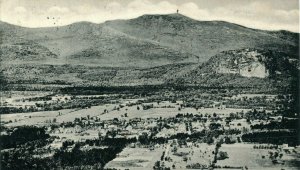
x=170 y=130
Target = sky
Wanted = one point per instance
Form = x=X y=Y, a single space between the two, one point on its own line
x=260 y=14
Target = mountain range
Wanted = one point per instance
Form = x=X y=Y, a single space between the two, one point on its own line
x=150 y=49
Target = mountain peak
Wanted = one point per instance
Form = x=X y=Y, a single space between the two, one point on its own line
x=167 y=17
x=82 y=23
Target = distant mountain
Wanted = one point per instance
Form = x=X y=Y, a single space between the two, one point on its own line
x=146 y=41
x=151 y=49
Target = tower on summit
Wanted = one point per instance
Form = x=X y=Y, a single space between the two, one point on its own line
x=177 y=11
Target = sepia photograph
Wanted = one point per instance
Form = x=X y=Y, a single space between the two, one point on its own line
x=149 y=85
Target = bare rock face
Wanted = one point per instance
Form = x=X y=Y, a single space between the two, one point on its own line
x=255 y=69
x=246 y=62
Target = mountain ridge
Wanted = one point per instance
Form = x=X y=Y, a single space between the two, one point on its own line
x=89 y=22
x=181 y=34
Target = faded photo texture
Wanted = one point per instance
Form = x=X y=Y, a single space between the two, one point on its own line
x=149 y=84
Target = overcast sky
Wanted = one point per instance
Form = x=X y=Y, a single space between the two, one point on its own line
x=262 y=14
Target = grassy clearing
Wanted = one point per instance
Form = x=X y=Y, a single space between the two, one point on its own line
x=196 y=153
x=241 y=155
x=136 y=158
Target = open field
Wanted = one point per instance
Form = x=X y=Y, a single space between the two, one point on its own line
x=195 y=153
x=89 y=134
x=136 y=158
x=241 y=155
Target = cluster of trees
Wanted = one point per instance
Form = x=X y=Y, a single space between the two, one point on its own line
x=7 y=110
x=230 y=167
x=3 y=80
x=222 y=155
x=275 y=155
x=93 y=157
x=196 y=166
x=29 y=141
x=232 y=132
x=21 y=144
x=256 y=115
x=214 y=126
x=273 y=137
x=42 y=98
x=206 y=136
x=250 y=103
x=159 y=166
x=88 y=90
x=198 y=104
x=283 y=124
x=229 y=140
x=22 y=135
x=148 y=106
x=20 y=159
x=90 y=157
x=265 y=147
x=62 y=159
x=70 y=104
